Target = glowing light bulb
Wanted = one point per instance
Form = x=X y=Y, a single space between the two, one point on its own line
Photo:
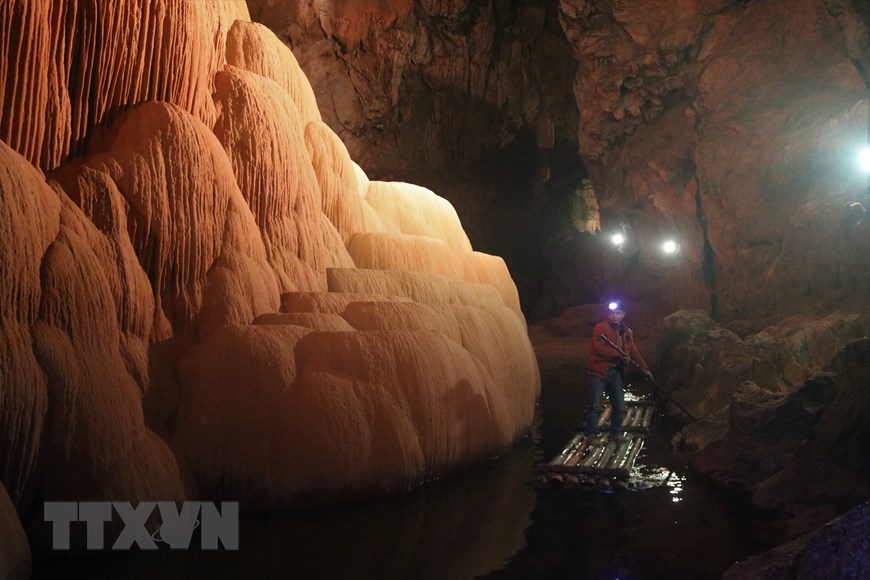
x=864 y=159
x=669 y=247
x=617 y=239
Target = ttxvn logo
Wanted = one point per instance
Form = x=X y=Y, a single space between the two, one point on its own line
x=176 y=527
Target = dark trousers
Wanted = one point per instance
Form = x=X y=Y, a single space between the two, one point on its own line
x=612 y=385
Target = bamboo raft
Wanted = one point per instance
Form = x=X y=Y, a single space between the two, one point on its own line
x=601 y=463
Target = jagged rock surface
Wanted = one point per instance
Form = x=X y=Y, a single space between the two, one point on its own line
x=735 y=128
x=783 y=412
x=415 y=85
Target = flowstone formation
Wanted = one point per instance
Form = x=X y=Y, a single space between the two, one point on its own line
x=204 y=296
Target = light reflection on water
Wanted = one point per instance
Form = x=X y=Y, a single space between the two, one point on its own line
x=675 y=482
x=645 y=476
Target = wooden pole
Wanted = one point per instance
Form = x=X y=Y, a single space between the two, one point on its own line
x=605 y=416
x=632 y=455
x=619 y=455
x=648 y=375
x=605 y=457
x=575 y=442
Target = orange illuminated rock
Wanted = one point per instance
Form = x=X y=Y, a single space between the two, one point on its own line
x=416 y=210
x=87 y=333
x=426 y=288
x=189 y=224
x=149 y=472
x=388 y=410
x=404 y=316
x=335 y=253
x=236 y=408
x=381 y=251
x=313 y=320
x=330 y=302
x=255 y=48
x=485 y=269
x=260 y=129
x=141 y=286
x=342 y=184
x=75 y=65
x=494 y=337
x=15 y=560
x=30 y=221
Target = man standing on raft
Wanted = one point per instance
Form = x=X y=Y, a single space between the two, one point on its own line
x=606 y=366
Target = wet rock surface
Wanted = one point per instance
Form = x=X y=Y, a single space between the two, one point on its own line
x=783 y=413
x=838 y=549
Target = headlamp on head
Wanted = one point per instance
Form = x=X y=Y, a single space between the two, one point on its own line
x=616 y=305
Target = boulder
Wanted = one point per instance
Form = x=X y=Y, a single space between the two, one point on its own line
x=802 y=454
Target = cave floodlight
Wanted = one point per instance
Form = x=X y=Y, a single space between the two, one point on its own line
x=617 y=239
x=864 y=159
x=670 y=247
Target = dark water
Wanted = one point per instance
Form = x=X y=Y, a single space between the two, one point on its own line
x=494 y=522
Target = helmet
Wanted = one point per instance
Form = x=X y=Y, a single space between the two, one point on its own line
x=616 y=305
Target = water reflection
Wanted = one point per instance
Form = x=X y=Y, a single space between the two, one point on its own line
x=645 y=476
x=675 y=482
x=493 y=522
x=461 y=527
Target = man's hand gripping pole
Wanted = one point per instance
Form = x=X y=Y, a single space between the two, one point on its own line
x=648 y=374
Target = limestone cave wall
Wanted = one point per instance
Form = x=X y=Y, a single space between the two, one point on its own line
x=735 y=128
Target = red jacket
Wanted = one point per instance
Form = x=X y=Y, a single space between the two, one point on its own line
x=603 y=357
